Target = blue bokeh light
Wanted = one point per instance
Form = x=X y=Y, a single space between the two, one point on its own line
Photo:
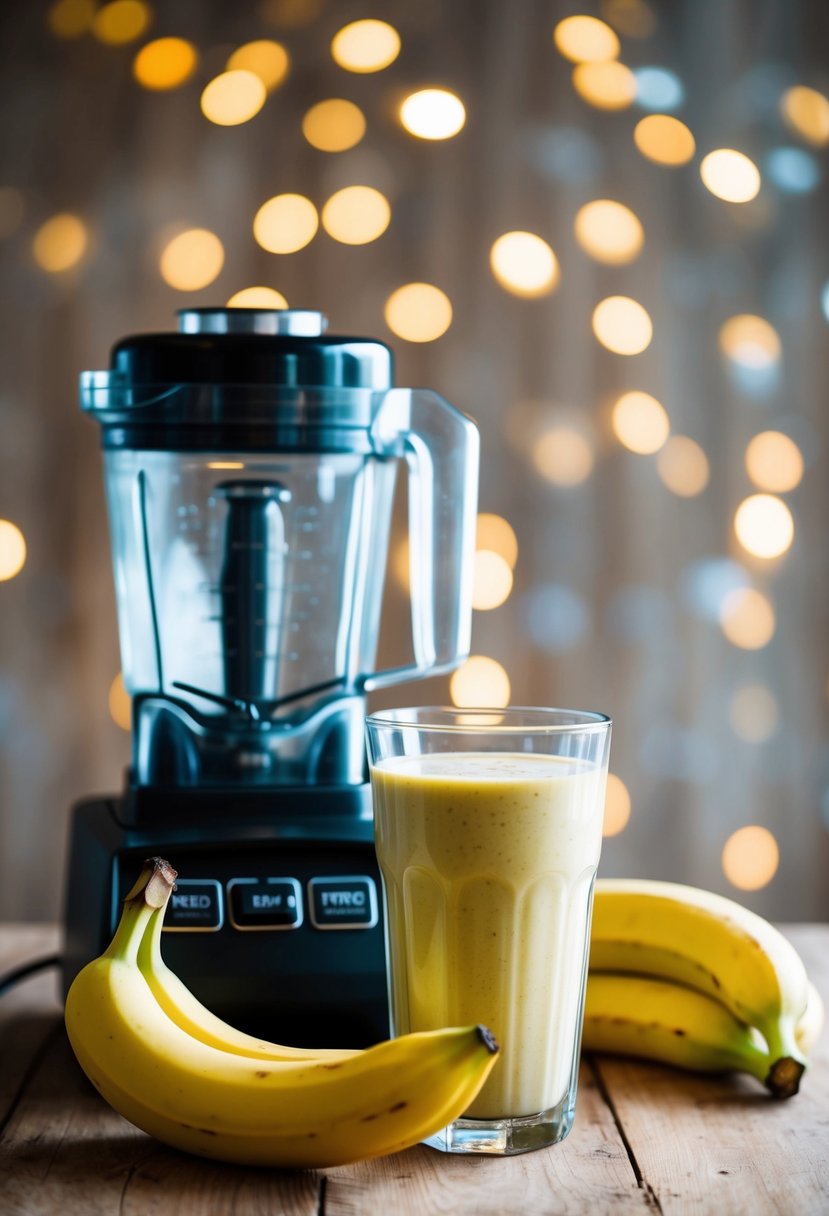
x=705 y=584
x=824 y=300
x=658 y=89
x=793 y=170
x=557 y=617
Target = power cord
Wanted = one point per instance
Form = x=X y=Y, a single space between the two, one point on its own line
x=23 y=972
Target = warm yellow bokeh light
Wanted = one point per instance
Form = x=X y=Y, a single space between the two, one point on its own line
x=610 y=232
x=664 y=139
x=747 y=618
x=750 y=341
x=616 y=807
x=418 y=312
x=165 y=63
x=192 y=260
x=356 y=215
x=492 y=580
x=71 y=18
x=634 y=18
x=683 y=466
x=266 y=59
x=730 y=175
x=480 y=683
x=121 y=21
x=524 y=264
x=120 y=703
x=563 y=455
x=286 y=223
x=585 y=40
x=640 y=422
x=622 y=325
x=607 y=86
x=433 y=114
x=764 y=525
x=496 y=533
x=60 y=243
x=334 y=125
x=750 y=858
x=806 y=111
x=753 y=713
x=365 y=46
x=257 y=297
x=12 y=550
x=774 y=462
x=233 y=97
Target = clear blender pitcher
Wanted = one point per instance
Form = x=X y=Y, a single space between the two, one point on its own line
x=250 y=464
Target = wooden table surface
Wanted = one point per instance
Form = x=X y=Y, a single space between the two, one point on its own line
x=646 y=1139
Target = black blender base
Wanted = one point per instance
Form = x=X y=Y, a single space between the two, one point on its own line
x=278 y=933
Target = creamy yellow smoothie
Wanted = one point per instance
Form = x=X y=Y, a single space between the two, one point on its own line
x=488 y=861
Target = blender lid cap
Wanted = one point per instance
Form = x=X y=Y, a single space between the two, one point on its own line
x=304 y=322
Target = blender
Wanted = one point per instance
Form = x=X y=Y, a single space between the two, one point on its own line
x=250 y=461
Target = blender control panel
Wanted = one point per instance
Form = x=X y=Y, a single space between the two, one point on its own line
x=272 y=903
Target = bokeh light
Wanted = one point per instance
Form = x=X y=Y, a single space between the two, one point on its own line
x=495 y=533
x=365 y=46
x=524 y=264
x=120 y=703
x=747 y=618
x=730 y=175
x=286 y=223
x=640 y=422
x=563 y=455
x=12 y=550
x=622 y=325
x=751 y=341
x=418 y=312
x=806 y=111
x=480 y=683
x=257 y=297
x=121 y=21
x=609 y=232
x=356 y=215
x=557 y=617
x=750 y=858
x=289 y=14
x=334 y=125
x=616 y=807
x=192 y=260
x=753 y=713
x=492 y=580
x=60 y=243
x=634 y=18
x=165 y=64
x=71 y=18
x=683 y=466
x=266 y=59
x=12 y=210
x=705 y=584
x=607 y=86
x=658 y=89
x=774 y=462
x=585 y=40
x=764 y=525
x=792 y=170
x=664 y=139
x=433 y=114
x=233 y=97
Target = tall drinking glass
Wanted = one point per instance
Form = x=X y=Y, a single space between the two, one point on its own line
x=488 y=830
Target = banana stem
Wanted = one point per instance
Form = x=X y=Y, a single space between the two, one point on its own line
x=150 y=893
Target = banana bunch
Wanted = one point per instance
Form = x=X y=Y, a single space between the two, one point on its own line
x=176 y=1071
x=693 y=979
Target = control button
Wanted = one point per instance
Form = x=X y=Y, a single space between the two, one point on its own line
x=265 y=903
x=343 y=903
x=196 y=906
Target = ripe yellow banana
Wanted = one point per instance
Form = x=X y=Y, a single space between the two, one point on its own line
x=712 y=944
x=179 y=1003
x=308 y=1113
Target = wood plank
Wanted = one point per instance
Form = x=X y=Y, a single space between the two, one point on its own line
x=27 y=1011
x=65 y=1150
x=588 y=1172
x=723 y=1145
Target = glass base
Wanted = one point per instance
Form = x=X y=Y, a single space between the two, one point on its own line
x=507 y=1137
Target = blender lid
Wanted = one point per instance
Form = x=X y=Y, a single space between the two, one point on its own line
x=239 y=379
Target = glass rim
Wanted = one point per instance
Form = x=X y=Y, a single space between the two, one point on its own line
x=537 y=720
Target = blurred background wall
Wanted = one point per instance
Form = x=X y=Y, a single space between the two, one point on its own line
x=643 y=365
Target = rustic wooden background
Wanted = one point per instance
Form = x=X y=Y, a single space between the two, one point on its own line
x=78 y=134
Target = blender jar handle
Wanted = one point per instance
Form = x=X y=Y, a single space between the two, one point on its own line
x=440 y=446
